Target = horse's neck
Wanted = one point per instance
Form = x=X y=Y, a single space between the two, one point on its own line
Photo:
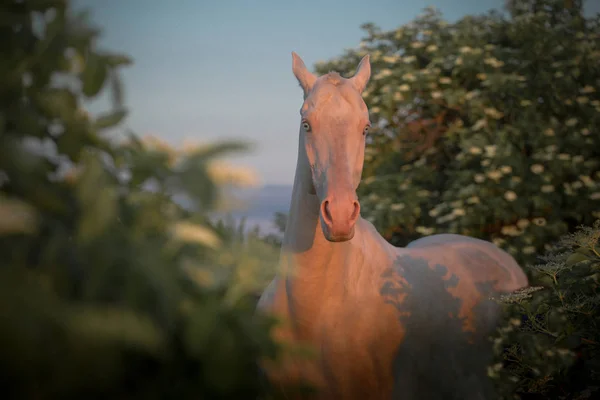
x=315 y=268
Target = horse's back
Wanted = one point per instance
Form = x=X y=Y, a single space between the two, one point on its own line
x=484 y=260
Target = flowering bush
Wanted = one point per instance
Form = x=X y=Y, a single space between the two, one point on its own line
x=549 y=346
x=487 y=127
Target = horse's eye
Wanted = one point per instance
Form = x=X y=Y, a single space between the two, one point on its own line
x=366 y=130
x=306 y=126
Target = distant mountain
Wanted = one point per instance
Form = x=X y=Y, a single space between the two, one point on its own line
x=259 y=206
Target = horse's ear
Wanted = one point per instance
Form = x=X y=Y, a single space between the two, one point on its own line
x=304 y=76
x=363 y=73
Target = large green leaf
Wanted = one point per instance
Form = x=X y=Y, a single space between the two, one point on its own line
x=94 y=74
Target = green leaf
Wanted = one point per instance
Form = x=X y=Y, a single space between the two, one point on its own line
x=117 y=60
x=109 y=120
x=99 y=207
x=57 y=103
x=94 y=75
x=576 y=258
x=117 y=325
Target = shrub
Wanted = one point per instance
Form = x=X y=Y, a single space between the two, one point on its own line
x=486 y=127
x=106 y=281
x=549 y=346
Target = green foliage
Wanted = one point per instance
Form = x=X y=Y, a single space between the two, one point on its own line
x=549 y=346
x=486 y=127
x=256 y=255
x=103 y=276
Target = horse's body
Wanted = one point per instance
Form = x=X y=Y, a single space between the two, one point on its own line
x=386 y=322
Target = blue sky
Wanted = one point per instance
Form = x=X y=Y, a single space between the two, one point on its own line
x=221 y=69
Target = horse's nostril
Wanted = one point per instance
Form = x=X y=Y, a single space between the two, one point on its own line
x=325 y=211
x=355 y=211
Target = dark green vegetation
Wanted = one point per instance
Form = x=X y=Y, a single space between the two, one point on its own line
x=109 y=290
x=489 y=127
x=486 y=127
x=549 y=346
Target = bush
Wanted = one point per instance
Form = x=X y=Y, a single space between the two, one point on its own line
x=549 y=346
x=109 y=287
x=486 y=127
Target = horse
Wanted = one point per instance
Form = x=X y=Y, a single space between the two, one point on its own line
x=384 y=322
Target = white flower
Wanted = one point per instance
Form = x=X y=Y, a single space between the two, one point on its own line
x=417 y=45
x=409 y=77
x=397 y=206
x=459 y=212
x=189 y=232
x=510 y=195
x=547 y=188
x=479 y=178
x=409 y=59
x=495 y=175
x=424 y=230
x=510 y=230
x=498 y=241
x=571 y=122
x=587 y=181
x=480 y=124
x=493 y=62
x=436 y=94
x=528 y=250
x=540 y=221
x=471 y=95
x=481 y=76
x=391 y=59
x=473 y=200
x=537 y=168
x=465 y=49
x=585 y=131
x=564 y=156
x=578 y=159
x=492 y=112
x=404 y=88
x=587 y=89
x=595 y=196
x=523 y=223
x=434 y=212
x=475 y=150
x=383 y=73
x=423 y=193
x=458 y=61
x=445 y=80
x=490 y=151
x=549 y=132
x=398 y=96
x=224 y=173
x=431 y=48
x=506 y=169
x=525 y=103
x=582 y=99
